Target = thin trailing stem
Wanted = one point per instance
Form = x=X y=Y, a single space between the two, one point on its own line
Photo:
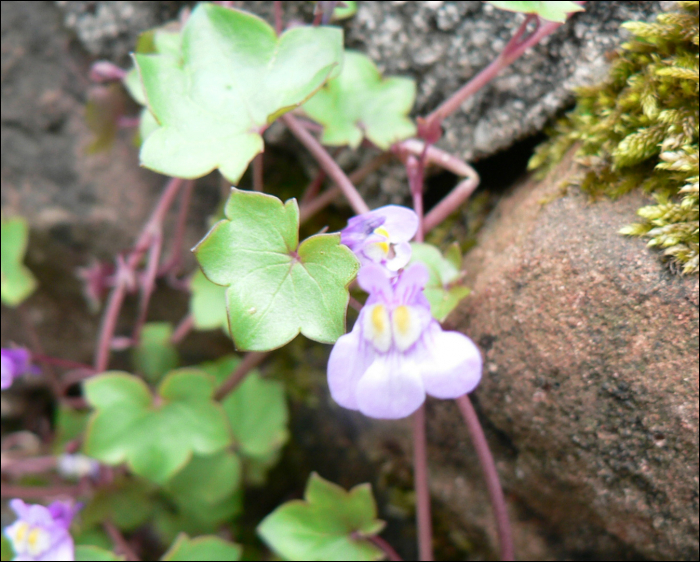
x=279 y=21
x=173 y=264
x=250 y=361
x=39 y=493
x=420 y=462
x=327 y=163
x=386 y=548
x=319 y=203
x=430 y=127
x=125 y=273
x=121 y=546
x=182 y=330
x=493 y=484
x=60 y=363
x=21 y=467
x=149 y=283
x=259 y=173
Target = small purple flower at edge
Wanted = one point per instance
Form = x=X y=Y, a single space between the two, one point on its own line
x=382 y=236
x=397 y=352
x=14 y=363
x=41 y=533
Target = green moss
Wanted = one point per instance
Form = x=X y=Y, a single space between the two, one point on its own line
x=639 y=129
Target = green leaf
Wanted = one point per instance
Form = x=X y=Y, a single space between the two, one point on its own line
x=276 y=288
x=155 y=437
x=202 y=548
x=341 y=13
x=208 y=304
x=70 y=425
x=328 y=525
x=551 y=11
x=128 y=503
x=89 y=553
x=236 y=78
x=93 y=536
x=443 y=291
x=16 y=281
x=206 y=479
x=7 y=552
x=257 y=410
x=155 y=355
x=360 y=103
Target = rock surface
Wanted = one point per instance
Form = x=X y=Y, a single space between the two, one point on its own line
x=440 y=44
x=591 y=352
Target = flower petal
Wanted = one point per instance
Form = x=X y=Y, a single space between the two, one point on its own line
x=62 y=551
x=409 y=288
x=391 y=388
x=450 y=363
x=374 y=280
x=349 y=360
x=400 y=222
x=402 y=255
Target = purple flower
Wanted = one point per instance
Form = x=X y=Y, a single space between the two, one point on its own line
x=41 y=533
x=397 y=352
x=14 y=363
x=382 y=236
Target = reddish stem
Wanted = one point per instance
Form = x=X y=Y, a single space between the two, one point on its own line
x=21 y=467
x=519 y=43
x=327 y=163
x=279 y=22
x=250 y=361
x=148 y=284
x=420 y=462
x=493 y=484
x=173 y=264
x=258 y=173
x=121 y=546
x=109 y=321
x=386 y=548
x=183 y=329
x=58 y=362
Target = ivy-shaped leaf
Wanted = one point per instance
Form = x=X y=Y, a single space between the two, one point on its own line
x=16 y=281
x=276 y=286
x=330 y=524
x=237 y=77
x=207 y=304
x=443 y=291
x=208 y=480
x=95 y=554
x=202 y=548
x=70 y=425
x=550 y=11
x=128 y=503
x=257 y=410
x=156 y=437
x=155 y=355
x=360 y=103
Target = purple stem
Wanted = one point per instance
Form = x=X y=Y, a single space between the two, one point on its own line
x=279 y=22
x=21 y=467
x=420 y=461
x=450 y=204
x=493 y=484
x=258 y=173
x=250 y=361
x=125 y=271
x=121 y=546
x=149 y=284
x=182 y=330
x=173 y=264
x=58 y=362
x=327 y=163
x=386 y=548
x=518 y=44
x=37 y=493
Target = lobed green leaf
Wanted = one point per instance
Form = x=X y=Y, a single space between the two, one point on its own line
x=330 y=524
x=16 y=281
x=155 y=355
x=236 y=77
x=202 y=548
x=276 y=287
x=360 y=103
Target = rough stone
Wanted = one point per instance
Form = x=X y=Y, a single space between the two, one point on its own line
x=591 y=348
x=440 y=44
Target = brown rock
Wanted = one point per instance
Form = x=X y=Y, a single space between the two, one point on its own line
x=591 y=350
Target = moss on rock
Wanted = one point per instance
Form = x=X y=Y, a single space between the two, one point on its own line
x=640 y=129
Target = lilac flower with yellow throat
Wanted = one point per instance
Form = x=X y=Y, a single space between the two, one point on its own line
x=382 y=236
x=41 y=533
x=397 y=353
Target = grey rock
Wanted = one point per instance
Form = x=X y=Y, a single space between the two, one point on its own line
x=440 y=44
